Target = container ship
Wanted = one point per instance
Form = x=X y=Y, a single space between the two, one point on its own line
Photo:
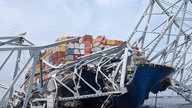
x=94 y=83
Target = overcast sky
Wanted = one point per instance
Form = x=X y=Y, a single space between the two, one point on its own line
x=45 y=20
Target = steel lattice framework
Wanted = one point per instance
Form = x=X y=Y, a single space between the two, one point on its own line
x=163 y=35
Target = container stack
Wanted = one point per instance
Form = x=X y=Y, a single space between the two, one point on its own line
x=66 y=53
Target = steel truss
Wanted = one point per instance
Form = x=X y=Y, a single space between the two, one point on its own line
x=164 y=34
x=19 y=44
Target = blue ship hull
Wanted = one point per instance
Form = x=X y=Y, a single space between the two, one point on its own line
x=147 y=78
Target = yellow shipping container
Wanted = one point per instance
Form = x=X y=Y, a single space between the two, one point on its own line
x=62 y=45
x=61 y=48
x=110 y=42
x=64 y=38
x=37 y=70
x=51 y=50
x=44 y=56
x=59 y=39
x=93 y=41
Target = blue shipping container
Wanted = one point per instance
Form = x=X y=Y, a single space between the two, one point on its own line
x=70 y=51
x=50 y=59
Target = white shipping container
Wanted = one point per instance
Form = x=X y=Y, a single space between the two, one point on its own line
x=69 y=57
x=82 y=46
x=82 y=51
x=81 y=40
x=77 y=45
x=55 y=50
x=96 y=44
x=47 y=59
x=96 y=49
x=70 y=45
x=76 y=51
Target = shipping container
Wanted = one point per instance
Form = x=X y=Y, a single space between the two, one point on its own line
x=37 y=70
x=62 y=48
x=64 y=38
x=60 y=60
x=93 y=41
x=100 y=38
x=54 y=61
x=82 y=46
x=87 y=49
x=63 y=45
x=82 y=51
x=81 y=40
x=87 y=52
x=70 y=45
x=76 y=51
x=69 y=57
x=55 y=55
x=69 y=51
x=50 y=59
x=117 y=42
x=76 y=56
x=110 y=42
x=61 y=54
x=77 y=46
x=96 y=44
x=59 y=39
x=88 y=38
x=45 y=76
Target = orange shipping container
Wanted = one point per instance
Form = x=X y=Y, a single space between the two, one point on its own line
x=118 y=42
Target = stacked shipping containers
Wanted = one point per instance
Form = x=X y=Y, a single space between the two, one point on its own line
x=69 y=52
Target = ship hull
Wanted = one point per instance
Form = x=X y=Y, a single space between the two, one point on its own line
x=147 y=78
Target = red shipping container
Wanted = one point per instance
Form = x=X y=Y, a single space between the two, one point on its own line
x=45 y=76
x=104 y=41
x=60 y=60
x=61 y=54
x=87 y=52
x=76 y=56
x=117 y=42
x=99 y=38
x=68 y=37
x=88 y=38
x=54 y=61
x=87 y=49
x=55 y=55
x=87 y=42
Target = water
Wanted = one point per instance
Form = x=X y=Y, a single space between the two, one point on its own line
x=167 y=102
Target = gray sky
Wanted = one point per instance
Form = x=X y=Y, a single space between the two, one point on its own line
x=45 y=20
